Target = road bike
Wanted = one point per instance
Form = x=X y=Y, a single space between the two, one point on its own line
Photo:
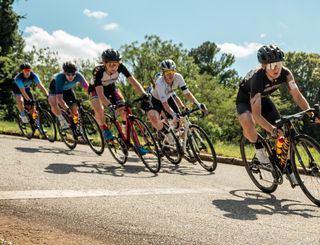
x=303 y=159
x=195 y=143
x=136 y=134
x=41 y=120
x=86 y=128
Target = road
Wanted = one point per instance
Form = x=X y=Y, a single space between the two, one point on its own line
x=51 y=195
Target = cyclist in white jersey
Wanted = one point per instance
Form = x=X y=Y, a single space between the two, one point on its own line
x=163 y=93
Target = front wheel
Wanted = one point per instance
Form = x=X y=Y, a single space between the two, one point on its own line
x=262 y=175
x=145 y=145
x=202 y=148
x=305 y=158
x=92 y=133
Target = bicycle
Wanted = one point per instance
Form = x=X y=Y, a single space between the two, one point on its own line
x=41 y=120
x=87 y=128
x=137 y=131
x=195 y=143
x=303 y=159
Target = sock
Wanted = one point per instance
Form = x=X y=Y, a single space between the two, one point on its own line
x=23 y=113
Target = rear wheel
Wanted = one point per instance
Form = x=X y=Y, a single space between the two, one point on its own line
x=305 y=158
x=47 y=125
x=260 y=174
x=202 y=148
x=92 y=133
x=67 y=135
x=117 y=146
x=26 y=129
x=143 y=139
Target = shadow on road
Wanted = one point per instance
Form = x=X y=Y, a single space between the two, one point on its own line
x=251 y=203
x=47 y=150
x=89 y=167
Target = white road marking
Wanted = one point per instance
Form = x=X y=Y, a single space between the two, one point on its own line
x=37 y=194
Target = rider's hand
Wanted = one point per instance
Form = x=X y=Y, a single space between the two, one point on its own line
x=203 y=108
x=276 y=132
x=111 y=109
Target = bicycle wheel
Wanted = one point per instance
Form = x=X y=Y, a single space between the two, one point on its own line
x=260 y=174
x=142 y=137
x=92 y=133
x=171 y=150
x=117 y=146
x=27 y=129
x=202 y=148
x=67 y=135
x=305 y=159
x=47 y=125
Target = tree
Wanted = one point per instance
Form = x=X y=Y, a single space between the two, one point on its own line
x=205 y=57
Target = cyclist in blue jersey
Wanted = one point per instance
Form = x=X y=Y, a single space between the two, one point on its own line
x=22 y=92
x=61 y=91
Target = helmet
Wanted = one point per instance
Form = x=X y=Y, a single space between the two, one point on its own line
x=69 y=67
x=167 y=65
x=269 y=54
x=110 y=55
x=25 y=66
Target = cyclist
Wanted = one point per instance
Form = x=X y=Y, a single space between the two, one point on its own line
x=163 y=97
x=103 y=90
x=22 y=92
x=61 y=91
x=253 y=102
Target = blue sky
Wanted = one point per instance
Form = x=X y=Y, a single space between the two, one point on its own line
x=82 y=29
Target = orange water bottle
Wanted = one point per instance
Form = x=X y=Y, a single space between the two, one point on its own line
x=75 y=118
x=34 y=115
x=279 y=146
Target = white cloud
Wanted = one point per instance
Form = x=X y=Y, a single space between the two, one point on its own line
x=111 y=26
x=263 y=35
x=95 y=14
x=69 y=47
x=239 y=51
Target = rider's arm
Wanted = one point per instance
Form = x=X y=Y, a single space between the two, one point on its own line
x=43 y=89
x=256 y=113
x=298 y=98
x=24 y=94
x=61 y=101
x=83 y=81
x=178 y=100
x=104 y=100
x=137 y=86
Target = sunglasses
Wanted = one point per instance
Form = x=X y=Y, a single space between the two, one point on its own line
x=70 y=74
x=273 y=65
x=169 y=72
x=26 y=70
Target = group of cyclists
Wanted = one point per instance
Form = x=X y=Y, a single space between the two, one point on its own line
x=253 y=102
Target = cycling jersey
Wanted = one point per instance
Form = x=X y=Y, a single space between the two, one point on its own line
x=256 y=81
x=60 y=83
x=163 y=91
x=21 y=82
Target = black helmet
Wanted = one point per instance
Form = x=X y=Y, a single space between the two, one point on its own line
x=167 y=65
x=69 y=67
x=110 y=55
x=25 y=66
x=269 y=54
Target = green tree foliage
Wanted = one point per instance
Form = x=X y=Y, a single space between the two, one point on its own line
x=205 y=56
x=11 y=50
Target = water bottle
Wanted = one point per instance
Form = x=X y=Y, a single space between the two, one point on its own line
x=75 y=118
x=279 y=145
x=34 y=115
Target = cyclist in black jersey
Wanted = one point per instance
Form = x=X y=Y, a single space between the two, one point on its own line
x=253 y=102
x=103 y=90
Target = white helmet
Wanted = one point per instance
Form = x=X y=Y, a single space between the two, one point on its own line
x=167 y=65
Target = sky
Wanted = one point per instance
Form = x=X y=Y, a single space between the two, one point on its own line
x=80 y=29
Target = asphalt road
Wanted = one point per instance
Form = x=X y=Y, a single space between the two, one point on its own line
x=77 y=192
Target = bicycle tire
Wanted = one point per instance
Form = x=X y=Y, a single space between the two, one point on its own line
x=47 y=126
x=117 y=146
x=67 y=135
x=151 y=159
x=200 y=144
x=92 y=133
x=260 y=174
x=172 y=152
x=27 y=129
x=305 y=151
